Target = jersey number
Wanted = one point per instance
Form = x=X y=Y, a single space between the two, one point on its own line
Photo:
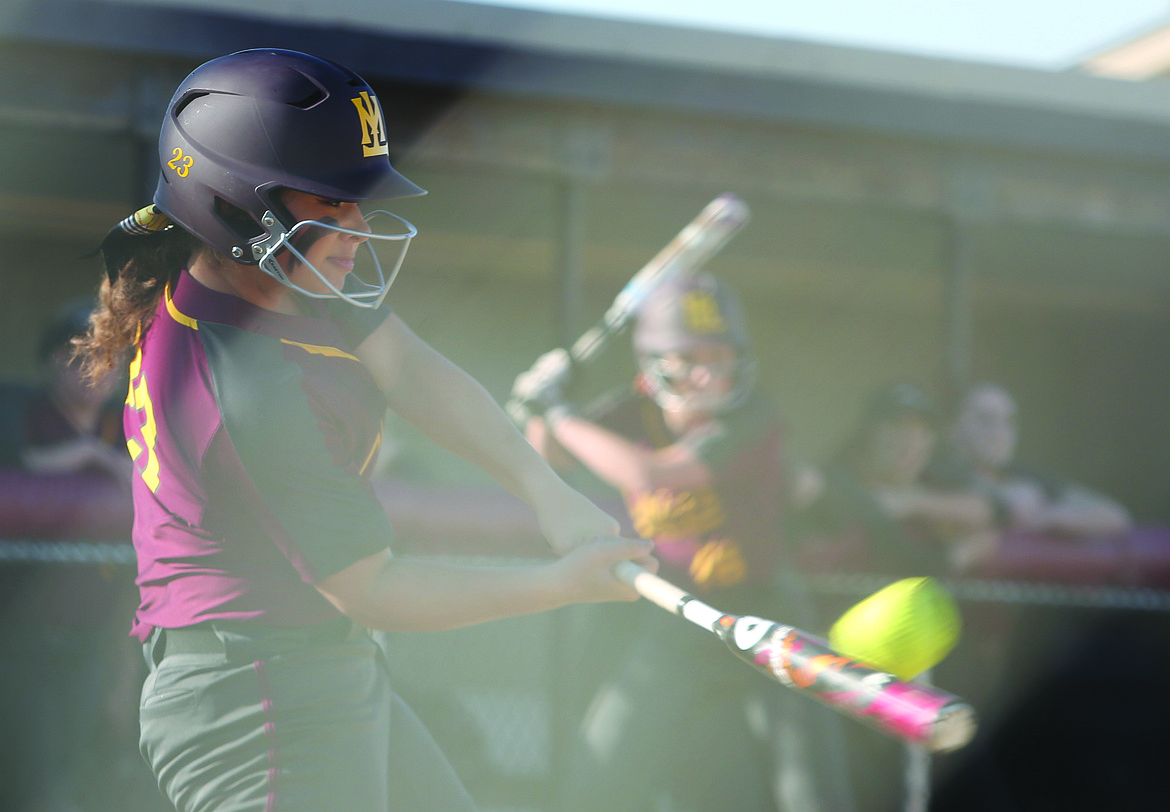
x=180 y=163
x=138 y=398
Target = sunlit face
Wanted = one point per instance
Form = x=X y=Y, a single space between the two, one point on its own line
x=706 y=368
x=986 y=429
x=331 y=252
x=900 y=447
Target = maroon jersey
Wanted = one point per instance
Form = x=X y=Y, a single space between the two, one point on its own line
x=253 y=433
x=726 y=533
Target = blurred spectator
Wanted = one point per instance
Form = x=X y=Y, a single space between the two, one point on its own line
x=67 y=702
x=61 y=423
x=983 y=450
x=874 y=500
x=1020 y=664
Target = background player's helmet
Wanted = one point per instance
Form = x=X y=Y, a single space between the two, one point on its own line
x=679 y=319
x=902 y=398
x=242 y=127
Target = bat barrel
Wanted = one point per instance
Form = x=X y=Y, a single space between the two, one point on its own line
x=919 y=714
x=955 y=726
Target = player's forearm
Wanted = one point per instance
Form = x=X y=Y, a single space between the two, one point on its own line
x=1096 y=519
x=463 y=418
x=969 y=509
x=420 y=595
x=625 y=465
x=540 y=438
x=402 y=594
x=608 y=455
x=453 y=409
x=78 y=455
x=966 y=509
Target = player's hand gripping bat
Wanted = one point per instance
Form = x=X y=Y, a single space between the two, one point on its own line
x=918 y=714
x=690 y=249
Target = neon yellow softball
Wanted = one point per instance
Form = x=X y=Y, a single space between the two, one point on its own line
x=904 y=629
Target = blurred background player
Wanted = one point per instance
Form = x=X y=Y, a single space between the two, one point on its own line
x=876 y=502
x=698 y=454
x=1030 y=661
x=68 y=692
x=984 y=441
x=64 y=422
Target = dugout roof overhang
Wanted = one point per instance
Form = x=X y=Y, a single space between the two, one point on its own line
x=533 y=53
x=1056 y=178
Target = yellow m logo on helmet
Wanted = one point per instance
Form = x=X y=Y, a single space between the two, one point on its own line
x=701 y=312
x=373 y=128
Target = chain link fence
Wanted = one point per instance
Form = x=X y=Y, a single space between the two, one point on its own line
x=502 y=698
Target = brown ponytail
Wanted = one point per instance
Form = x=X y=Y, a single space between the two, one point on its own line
x=138 y=270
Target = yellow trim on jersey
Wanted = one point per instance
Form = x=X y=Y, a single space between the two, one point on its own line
x=320 y=350
x=316 y=349
x=373 y=453
x=176 y=315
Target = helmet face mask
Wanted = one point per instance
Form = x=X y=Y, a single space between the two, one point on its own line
x=244 y=127
x=682 y=383
x=692 y=346
x=366 y=292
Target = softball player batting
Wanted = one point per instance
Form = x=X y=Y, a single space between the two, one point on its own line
x=698 y=453
x=262 y=366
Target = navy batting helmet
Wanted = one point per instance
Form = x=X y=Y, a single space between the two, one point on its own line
x=243 y=127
